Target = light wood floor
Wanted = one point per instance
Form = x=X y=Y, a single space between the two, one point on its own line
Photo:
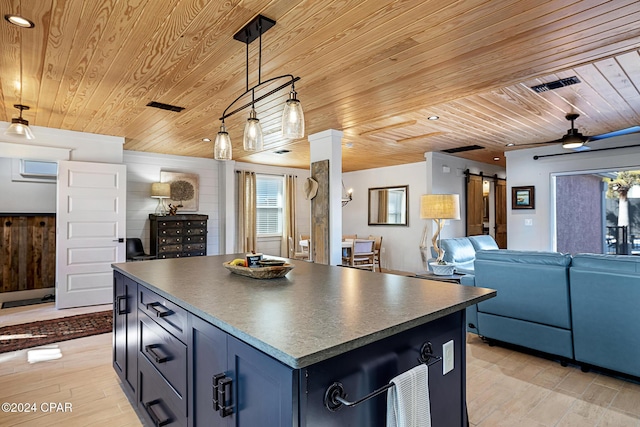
x=504 y=387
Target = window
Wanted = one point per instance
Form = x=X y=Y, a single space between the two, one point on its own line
x=34 y=170
x=269 y=201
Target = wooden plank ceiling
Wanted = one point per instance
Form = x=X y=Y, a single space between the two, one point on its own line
x=376 y=69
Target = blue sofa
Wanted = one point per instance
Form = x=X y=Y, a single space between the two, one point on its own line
x=581 y=308
x=462 y=250
x=605 y=298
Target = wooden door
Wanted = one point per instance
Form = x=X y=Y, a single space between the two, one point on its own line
x=475 y=206
x=91 y=230
x=27 y=252
x=501 y=213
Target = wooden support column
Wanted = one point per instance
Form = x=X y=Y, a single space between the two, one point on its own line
x=326 y=207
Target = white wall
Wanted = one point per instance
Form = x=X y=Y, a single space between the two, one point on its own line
x=523 y=170
x=400 y=244
x=143 y=169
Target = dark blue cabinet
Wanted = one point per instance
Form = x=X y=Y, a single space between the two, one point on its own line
x=236 y=385
x=125 y=344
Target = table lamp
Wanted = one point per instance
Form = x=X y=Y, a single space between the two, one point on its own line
x=438 y=207
x=161 y=191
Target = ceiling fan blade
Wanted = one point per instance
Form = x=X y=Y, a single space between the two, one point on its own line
x=627 y=131
x=538 y=143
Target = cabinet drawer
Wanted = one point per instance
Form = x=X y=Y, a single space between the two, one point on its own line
x=169 y=248
x=158 y=402
x=194 y=239
x=194 y=247
x=198 y=223
x=195 y=253
x=170 y=232
x=170 y=224
x=169 y=240
x=195 y=231
x=166 y=353
x=168 y=315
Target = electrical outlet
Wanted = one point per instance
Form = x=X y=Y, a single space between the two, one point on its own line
x=447 y=357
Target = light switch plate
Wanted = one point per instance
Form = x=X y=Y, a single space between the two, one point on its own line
x=447 y=357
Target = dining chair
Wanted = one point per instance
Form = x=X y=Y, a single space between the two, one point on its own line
x=305 y=244
x=363 y=254
x=377 y=250
x=292 y=251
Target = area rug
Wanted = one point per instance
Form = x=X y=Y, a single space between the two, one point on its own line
x=26 y=335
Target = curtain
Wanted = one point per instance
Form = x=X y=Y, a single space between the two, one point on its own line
x=289 y=214
x=246 y=221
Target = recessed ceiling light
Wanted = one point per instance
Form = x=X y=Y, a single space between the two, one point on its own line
x=496 y=158
x=511 y=144
x=19 y=21
x=206 y=139
x=433 y=117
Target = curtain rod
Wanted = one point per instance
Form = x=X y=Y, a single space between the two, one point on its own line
x=268 y=174
x=586 y=151
x=495 y=176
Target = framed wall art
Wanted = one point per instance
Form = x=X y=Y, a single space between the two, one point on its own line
x=184 y=190
x=523 y=197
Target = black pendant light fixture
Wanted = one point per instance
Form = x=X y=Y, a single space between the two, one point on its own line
x=20 y=127
x=292 y=116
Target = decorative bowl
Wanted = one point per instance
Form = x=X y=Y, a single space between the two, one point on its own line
x=259 y=272
x=442 y=269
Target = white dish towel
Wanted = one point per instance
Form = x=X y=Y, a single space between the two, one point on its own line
x=408 y=401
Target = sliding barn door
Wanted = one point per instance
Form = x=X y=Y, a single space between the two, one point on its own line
x=475 y=206
x=501 y=213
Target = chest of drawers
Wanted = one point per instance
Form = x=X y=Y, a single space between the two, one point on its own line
x=178 y=236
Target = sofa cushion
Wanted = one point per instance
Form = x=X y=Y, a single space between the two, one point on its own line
x=532 y=286
x=624 y=264
x=483 y=242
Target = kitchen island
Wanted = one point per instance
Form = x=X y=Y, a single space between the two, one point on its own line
x=197 y=345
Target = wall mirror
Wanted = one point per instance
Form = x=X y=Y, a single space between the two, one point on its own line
x=389 y=205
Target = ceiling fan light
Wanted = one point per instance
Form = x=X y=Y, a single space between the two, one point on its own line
x=222 y=145
x=292 y=118
x=253 y=138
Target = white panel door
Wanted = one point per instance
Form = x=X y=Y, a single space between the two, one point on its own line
x=90 y=231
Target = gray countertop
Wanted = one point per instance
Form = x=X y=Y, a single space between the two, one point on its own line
x=313 y=313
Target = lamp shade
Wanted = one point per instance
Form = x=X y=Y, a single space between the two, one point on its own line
x=222 y=145
x=253 y=139
x=292 y=118
x=440 y=206
x=20 y=127
x=161 y=190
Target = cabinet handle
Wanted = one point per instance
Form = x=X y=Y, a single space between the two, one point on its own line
x=159 y=309
x=119 y=301
x=157 y=421
x=220 y=383
x=152 y=349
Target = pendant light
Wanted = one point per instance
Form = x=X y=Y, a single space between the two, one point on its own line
x=20 y=127
x=292 y=117
x=253 y=140
x=222 y=145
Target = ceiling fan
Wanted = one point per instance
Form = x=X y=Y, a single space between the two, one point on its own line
x=574 y=140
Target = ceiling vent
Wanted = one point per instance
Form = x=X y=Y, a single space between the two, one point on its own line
x=555 y=85
x=461 y=149
x=162 y=106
